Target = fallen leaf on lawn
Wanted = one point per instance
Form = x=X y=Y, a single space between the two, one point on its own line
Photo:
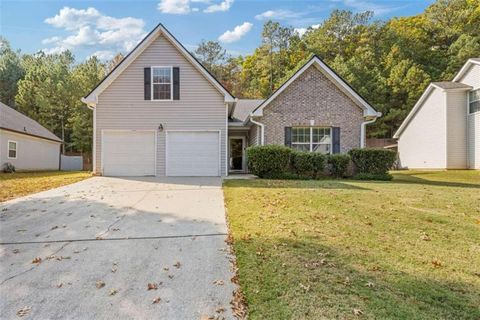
x=60 y=285
x=357 y=312
x=37 y=260
x=114 y=269
x=152 y=286
x=369 y=284
x=24 y=311
x=156 y=300
x=436 y=263
x=477 y=274
x=425 y=237
x=99 y=284
x=218 y=282
x=347 y=281
x=304 y=287
x=113 y=292
x=177 y=264
x=15 y=251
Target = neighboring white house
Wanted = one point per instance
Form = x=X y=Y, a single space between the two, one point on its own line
x=25 y=143
x=443 y=129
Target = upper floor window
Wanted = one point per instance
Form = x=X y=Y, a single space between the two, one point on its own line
x=12 y=150
x=474 y=101
x=312 y=139
x=162 y=83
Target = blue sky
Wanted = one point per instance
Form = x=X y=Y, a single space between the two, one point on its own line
x=104 y=27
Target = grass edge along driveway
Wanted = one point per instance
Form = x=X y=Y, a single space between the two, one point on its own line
x=18 y=184
x=343 y=249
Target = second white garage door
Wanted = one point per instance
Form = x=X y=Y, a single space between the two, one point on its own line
x=128 y=153
x=193 y=153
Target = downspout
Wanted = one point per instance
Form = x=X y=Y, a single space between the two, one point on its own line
x=262 y=129
x=363 y=129
x=92 y=106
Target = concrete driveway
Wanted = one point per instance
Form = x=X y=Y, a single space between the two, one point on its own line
x=103 y=240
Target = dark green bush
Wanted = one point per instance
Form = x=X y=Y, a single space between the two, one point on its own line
x=303 y=163
x=319 y=160
x=372 y=176
x=373 y=161
x=268 y=160
x=338 y=164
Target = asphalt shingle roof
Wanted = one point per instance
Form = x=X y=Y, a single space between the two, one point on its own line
x=244 y=107
x=450 y=85
x=13 y=120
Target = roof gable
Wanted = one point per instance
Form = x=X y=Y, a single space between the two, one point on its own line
x=12 y=120
x=92 y=97
x=466 y=67
x=368 y=110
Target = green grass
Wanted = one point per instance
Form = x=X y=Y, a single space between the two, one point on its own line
x=14 y=185
x=402 y=249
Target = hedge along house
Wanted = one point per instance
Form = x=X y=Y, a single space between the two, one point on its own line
x=443 y=129
x=160 y=112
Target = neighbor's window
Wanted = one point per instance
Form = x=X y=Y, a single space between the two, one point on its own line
x=12 y=149
x=474 y=101
x=162 y=83
x=313 y=139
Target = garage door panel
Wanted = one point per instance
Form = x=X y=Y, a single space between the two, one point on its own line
x=128 y=153
x=193 y=153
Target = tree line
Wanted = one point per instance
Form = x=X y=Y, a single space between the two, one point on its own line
x=388 y=62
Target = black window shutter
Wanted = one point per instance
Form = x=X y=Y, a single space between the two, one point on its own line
x=146 y=84
x=335 y=140
x=288 y=136
x=176 y=83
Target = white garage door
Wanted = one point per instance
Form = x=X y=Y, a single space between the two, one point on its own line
x=193 y=153
x=128 y=153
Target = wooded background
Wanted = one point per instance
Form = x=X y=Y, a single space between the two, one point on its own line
x=390 y=63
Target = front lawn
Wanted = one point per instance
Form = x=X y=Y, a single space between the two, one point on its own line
x=343 y=249
x=14 y=185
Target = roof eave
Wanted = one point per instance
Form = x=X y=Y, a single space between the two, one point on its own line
x=464 y=69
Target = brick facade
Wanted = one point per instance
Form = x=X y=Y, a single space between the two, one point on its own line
x=312 y=96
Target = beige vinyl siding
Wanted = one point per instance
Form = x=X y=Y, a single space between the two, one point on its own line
x=122 y=104
x=254 y=135
x=422 y=143
x=32 y=153
x=456 y=130
x=474 y=140
x=472 y=76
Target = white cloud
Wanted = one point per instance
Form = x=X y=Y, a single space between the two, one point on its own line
x=279 y=15
x=222 y=6
x=89 y=28
x=54 y=50
x=104 y=54
x=302 y=31
x=237 y=33
x=174 y=6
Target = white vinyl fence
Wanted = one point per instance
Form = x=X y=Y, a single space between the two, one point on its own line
x=71 y=163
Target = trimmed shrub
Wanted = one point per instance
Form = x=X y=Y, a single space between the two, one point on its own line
x=264 y=161
x=338 y=164
x=371 y=176
x=319 y=161
x=373 y=161
x=303 y=163
x=8 y=167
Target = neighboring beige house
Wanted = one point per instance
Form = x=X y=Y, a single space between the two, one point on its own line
x=160 y=112
x=443 y=129
x=25 y=143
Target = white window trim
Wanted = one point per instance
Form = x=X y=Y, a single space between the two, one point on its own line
x=151 y=83
x=311 y=143
x=469 y=102
x=8 y=149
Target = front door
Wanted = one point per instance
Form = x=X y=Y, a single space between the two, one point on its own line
x=236 y=160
